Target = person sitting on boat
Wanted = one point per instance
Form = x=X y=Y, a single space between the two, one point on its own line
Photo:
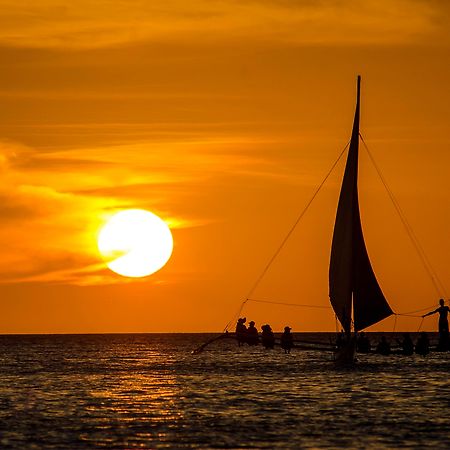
x=241 y=331
x=407 y=345
x=363 y=343
x=267 y=336
x=443 y=323
x=423 y=344
x=252 y=334
x=287 y=340
x=383 y=347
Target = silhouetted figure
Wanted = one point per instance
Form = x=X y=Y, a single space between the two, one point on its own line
x=383 y=347
x=252 y=334
x=423 y=344
x=241 y=331
x=287 y=340
x=442 y=324
x=407 y=345
x=363 y=343
x=267 y=336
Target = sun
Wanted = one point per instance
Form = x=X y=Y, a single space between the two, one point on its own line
x=135 y=243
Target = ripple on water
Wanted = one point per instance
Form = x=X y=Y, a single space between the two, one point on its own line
x=148 y=391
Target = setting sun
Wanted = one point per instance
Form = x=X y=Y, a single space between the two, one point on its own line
x=135 y=243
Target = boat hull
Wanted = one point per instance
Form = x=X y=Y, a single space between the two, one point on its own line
x=346 y=354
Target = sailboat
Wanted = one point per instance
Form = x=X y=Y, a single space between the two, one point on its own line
x=355 y=294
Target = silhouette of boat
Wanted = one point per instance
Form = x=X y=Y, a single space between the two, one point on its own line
x=355 y=294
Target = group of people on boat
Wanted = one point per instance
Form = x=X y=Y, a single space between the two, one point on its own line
x=250 y=336
x=246 y=335
x=405 y=345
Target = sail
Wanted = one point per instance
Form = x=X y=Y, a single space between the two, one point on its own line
x=351 y=275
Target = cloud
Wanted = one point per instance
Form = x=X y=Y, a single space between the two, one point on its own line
x=53 y=203
x=86 y=24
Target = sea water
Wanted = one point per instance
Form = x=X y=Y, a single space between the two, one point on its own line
x=148 y=391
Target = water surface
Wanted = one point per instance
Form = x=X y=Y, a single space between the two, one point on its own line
x=148 y=391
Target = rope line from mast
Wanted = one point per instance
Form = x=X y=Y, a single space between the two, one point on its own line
x=288 y=235
x=274 y=302
x=438 y=285
x=417 y=311
x=238 y=313
x=303 y=305
x=420 y=325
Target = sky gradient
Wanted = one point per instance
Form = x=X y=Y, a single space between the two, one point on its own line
x=222 y=118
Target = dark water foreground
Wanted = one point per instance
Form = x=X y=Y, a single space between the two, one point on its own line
x=148 y=391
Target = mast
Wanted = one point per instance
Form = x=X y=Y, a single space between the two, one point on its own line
x=352 y=282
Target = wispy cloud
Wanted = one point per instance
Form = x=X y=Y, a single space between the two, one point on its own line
x=54 y=203
x=86 y=24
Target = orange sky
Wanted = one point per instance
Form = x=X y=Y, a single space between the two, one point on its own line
x=222 y=118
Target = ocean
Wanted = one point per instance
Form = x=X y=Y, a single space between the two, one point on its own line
x=147 y=391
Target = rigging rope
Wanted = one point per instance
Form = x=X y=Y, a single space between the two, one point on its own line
x=420 y=326
x=303 y=305
x=235 y=316
x=406 y=315
x=272 y=259
x=395 y=323
x=417 y=310
x=438 y=285
x=274 y=302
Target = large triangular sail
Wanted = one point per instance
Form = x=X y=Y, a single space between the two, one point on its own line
x=351 y=276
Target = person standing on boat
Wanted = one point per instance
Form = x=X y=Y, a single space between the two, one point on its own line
x=252 y=334
x=443 y=323
x=241 y=331
x=287 y=340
